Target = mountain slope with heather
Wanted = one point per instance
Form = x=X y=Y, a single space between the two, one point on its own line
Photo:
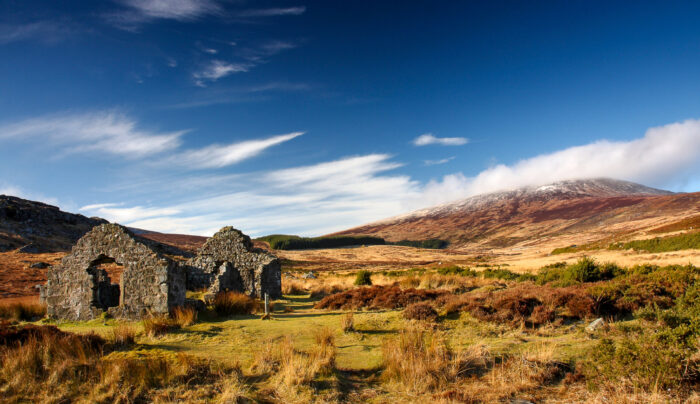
x=38 y=227
x=588 y=209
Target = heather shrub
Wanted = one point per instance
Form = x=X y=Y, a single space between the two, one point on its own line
x=377 y=297
x=420 y=311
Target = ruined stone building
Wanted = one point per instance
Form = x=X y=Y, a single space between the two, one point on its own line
x=152 y=282
x=228 y=261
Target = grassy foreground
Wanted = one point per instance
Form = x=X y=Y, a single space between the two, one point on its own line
x=443 y=336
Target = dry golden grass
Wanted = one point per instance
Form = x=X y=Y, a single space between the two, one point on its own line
x=347 y=322
x=22 y=310
x=184 y=316
x=419 y=362
x=123 y=335
x=155 y=326
x=235 y=303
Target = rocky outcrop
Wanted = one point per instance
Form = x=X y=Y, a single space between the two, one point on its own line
x=228 y=261
x=78 y=289
x=38 y=227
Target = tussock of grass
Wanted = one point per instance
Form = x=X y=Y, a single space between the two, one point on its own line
x=419 y=362
x=22 y=311
x=235 y=303
x=155 y=326
x=123 y=336
x=347 y=322
x=184 y=316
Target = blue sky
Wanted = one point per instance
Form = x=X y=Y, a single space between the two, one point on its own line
x=308 y=117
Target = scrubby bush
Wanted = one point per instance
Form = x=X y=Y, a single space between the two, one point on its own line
x=456 y=270
x=377 y=297
x=584 y=270
x=420 y=311
x=499 y=273
x=363 y=278
x=661 y=244
x=234 y=303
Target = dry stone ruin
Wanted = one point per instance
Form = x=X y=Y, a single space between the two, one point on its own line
x=151 y=281
x=228 y=261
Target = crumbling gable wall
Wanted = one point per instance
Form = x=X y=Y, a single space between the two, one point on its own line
x=228 y=261
x=78 y=290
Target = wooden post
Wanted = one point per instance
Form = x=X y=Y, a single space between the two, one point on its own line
x=267 y=304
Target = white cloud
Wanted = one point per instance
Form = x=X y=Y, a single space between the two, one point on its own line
x=309 y=200
x=216 y=156
x=438 y=162
x=45 y=31
x=181 y=10
x=343 y=193
x=665 y=156
x=127 y=215
x=210 y=51
x=109 y=132
x=272 y=12
x=217 y=69
x=429 y=138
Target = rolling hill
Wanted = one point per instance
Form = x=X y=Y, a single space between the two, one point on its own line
x=578 y=210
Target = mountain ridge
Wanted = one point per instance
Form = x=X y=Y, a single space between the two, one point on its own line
x=526 y=214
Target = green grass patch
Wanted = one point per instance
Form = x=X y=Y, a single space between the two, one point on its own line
x=661 y=244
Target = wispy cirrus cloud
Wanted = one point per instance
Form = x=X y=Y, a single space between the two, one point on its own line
x=217 y=69
x=117 y=134
x=313 y=199
x=272 y=12
x=104 y=131
x=428 y=139
x=217 y=156
x=43 y=31
x=138 y=12
x=338 y=194
x=438 y=162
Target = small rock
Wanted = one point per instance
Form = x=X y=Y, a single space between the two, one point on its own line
x=309 y=275
x=39 y=265
x=595 y=325
x=520 y=401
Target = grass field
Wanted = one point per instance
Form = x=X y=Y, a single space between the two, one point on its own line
x=492 y=339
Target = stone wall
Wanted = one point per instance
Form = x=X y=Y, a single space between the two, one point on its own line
x=78 y=290
x=228 y=261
